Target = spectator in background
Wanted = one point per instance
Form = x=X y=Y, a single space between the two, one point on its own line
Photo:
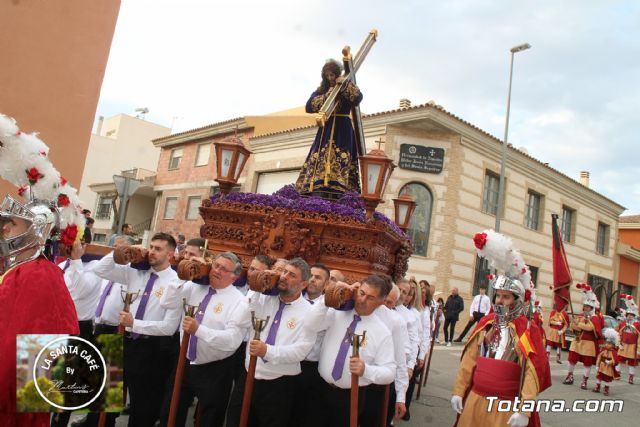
x=87 y=230
x=479 y=308
x=127 y=230
x=181 y=243
x=440 y=316
x=452 y=309
x=86 y=213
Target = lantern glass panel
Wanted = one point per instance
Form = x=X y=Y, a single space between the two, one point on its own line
x=402 y=212
x=241 y=157
x=373 y=172
x=227 y=155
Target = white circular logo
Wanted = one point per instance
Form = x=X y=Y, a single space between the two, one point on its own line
x=86 y=358
x=412 y=150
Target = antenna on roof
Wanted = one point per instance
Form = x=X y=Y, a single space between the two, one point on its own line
x=141 y=112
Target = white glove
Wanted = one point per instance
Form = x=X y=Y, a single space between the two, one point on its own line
x=518 y=420
x=456 y=404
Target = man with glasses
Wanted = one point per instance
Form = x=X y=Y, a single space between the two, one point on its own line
x=286 y=343
x=215 y=332
x=375 y=365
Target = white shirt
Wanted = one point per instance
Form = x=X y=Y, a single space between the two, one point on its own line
x=225 y=319
x=84 y=293
x=292 y=341
x=414 y=334
x=425 y=343
x=113 y=304
x=480 y=303
x=418 y=322
x=377 y=351
x=400 y=337
x=157 y=320
x=314 y=354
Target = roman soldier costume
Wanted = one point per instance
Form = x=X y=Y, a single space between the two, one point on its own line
x=33 y=294
x=558 y=324
x=503 y=344
x=607 y=361
x=629 y=330
x=588 y=331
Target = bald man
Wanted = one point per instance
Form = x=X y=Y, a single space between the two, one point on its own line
x=336 y=276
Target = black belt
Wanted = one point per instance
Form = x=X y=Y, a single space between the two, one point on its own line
x=213 y=363
x=333 y=386
x=129 y=336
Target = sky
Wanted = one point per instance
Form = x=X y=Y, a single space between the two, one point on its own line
x=575 y=100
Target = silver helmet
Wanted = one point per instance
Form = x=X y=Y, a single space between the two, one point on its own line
x=41 y=217
x=503 y=313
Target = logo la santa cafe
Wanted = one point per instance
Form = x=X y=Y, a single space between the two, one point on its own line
x=74 y=386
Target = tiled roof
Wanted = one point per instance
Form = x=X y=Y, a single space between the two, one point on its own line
x=630 y=219
x=212 y=125
x=433 y=105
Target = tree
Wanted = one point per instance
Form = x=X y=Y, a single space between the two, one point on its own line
x=29 y=400
x=111 y=348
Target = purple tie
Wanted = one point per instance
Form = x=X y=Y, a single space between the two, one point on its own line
x=66 y=265
x=103 y=298
x=193 y=340
x=143 y=301
x=273 y=330
x=338 y=366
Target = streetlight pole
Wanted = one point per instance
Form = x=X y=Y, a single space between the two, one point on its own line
x=503 y=161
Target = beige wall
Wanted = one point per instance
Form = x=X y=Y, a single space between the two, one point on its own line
x=121 y=143
x=55 y=55
x=457 y=198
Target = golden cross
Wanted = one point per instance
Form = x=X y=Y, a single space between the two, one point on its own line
x=380 y=141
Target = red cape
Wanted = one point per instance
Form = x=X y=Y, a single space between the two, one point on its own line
x=538 y=359
x=33 y=300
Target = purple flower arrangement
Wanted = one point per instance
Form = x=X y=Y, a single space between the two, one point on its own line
x=391 y=224
x=349 y=205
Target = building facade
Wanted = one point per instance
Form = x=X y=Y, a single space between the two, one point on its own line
x=52 y=82
x=121 y=145
x=452 y=169
x=628 y=252
x=186 y=170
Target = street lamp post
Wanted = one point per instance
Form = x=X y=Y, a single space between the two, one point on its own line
x=125 y=187
x=503 y=161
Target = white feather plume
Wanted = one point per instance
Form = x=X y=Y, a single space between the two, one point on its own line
x=20 y=153
x=503 y=256
x=610 y=335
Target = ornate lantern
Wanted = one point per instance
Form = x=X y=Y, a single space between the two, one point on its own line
x=375 y=171
x=404 y=207
x=231 y=156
